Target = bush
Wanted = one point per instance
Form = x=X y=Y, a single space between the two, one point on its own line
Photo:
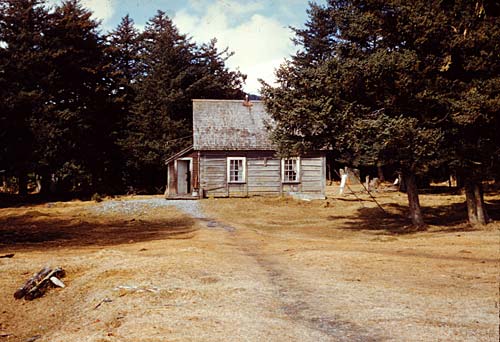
x=96 y=197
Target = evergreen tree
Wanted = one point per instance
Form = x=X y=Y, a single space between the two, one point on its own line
x=473 y=68
x=75 y=143
x=82 y=108
x=160 y=113
x=370 y=82
x=23 y=71
x=214 y=80
x=173 y=71
x=123 y=50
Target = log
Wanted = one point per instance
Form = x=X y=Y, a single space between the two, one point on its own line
x=7 y=256
x=37 y=285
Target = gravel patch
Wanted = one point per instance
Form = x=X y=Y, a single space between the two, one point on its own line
x=142 y=206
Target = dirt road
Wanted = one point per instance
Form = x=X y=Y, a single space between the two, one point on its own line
x=243 y=270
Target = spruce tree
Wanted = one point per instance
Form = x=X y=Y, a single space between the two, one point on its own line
x=173 y=71
x=123 y=48
x=23 y=73
x=76 y=146
x=160 y=113
x=373 y=80
x=473 y=69
x=214 y=79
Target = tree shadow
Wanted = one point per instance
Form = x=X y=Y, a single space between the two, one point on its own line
x=35 y=230
x=493 y=208
x=440 y=190
x=449 y=218
x=13 y=200
x=394 y=220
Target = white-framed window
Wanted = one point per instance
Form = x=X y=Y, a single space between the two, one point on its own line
x=290 y=170
x=236 y=169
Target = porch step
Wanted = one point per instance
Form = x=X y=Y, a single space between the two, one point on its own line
x=182 y=197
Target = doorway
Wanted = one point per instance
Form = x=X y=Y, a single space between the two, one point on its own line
x=183 y=176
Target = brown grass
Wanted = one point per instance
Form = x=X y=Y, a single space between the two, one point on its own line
x=334 y=270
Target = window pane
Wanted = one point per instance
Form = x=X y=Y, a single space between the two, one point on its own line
x=236 y=170
x=290 y=170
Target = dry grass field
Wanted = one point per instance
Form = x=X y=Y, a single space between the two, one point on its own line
x=258 y=269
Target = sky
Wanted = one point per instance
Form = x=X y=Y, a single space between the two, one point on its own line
x=256 y=30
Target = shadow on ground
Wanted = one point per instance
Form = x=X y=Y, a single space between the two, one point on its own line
x=449 y=218
x=13 y=200
x=36 y=230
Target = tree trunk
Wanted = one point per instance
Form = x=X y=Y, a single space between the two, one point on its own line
x=474 y=197
x=471 y=202
x=22 y=182
x=46 y=185
x=413 y=200
x=401 y=183
x=460 y=180
x=482 y=215
x=483 y=205
x=380 y=172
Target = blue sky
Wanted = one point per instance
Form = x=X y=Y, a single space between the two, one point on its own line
x=256 y=30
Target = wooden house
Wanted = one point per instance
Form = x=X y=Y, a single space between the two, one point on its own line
x=232 y=156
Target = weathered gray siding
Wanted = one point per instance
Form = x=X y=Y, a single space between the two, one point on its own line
x=263 y=175
x=312 y=175
x=237 y=190
x=213 y=174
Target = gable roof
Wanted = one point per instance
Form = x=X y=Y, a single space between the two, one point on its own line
x=230 y=125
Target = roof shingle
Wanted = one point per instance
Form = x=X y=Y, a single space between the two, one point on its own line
x=230 y=125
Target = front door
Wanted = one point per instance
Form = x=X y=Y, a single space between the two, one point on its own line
x=183 y=177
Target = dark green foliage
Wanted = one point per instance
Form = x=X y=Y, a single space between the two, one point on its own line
x=355 y=90
x=123 y=51
x=78 y=114
x=474 y=68
x=23 y=24
x=161 y=109
x=173 y=71
x=87 y=112
x=411 y=85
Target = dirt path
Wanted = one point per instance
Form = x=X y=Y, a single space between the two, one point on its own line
x=371 y=286
x=292 y=300
x=300 y=302
x=151 y=270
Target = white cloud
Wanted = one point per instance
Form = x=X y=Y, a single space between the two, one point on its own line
x=101 y=9
x=228 y=6
x=139 y=27
x=260 y=43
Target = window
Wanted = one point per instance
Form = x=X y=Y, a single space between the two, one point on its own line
x=236 y=169
x=290 y=170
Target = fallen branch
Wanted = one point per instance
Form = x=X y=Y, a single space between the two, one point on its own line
x=105 y=300
x=33 y=339
x=37 y=285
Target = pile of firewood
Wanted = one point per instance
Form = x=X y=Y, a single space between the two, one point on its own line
x=38 y=284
